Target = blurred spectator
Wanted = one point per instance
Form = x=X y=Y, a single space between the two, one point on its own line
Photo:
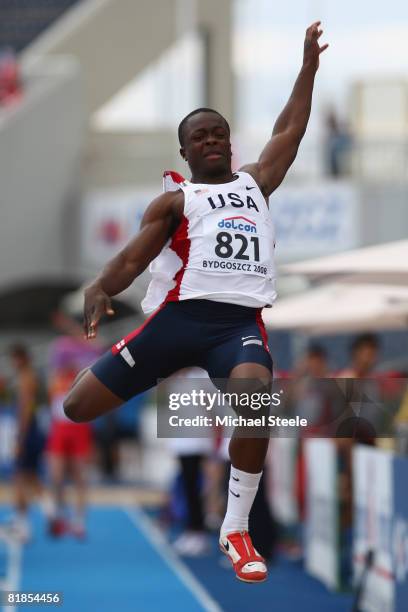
x=401 y=426
x=193 y=540
x=30 y=439
x=3 y=390
x=314 y=363
x=366 y=415
x=308 y=397
x=10 y=81
x=69 y=444
x=337 y=146
x=106 y=439
x=313 y=395
x=362 y=423
x=118 y=433
x=364 y=357
x=216 y=469
x=190 y=453
x=7 y=428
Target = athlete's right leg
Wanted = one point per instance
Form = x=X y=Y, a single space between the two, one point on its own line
x=89 y=399
x=242 y=366
x=155 y=350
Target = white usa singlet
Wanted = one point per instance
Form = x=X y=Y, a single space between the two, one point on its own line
x=222 y=250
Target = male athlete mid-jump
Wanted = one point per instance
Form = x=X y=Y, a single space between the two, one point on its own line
x=212 y=243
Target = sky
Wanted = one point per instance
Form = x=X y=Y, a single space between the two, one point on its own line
x=368 y=39
x=335 y=13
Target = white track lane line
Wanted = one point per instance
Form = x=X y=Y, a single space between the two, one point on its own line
x=160 y=544
x=11 y=581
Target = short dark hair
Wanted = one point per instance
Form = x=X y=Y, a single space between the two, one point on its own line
x=195 y=112
x=316 y=350
x=366 y=339
x=18 y=350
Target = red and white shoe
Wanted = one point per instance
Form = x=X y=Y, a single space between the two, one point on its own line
x=248 y=564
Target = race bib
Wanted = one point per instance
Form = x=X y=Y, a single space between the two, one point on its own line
x=236 y=243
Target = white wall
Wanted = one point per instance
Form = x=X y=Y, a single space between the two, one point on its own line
x=115 y=40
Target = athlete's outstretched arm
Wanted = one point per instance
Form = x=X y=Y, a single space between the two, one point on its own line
x=157 y=225
x=280 y=152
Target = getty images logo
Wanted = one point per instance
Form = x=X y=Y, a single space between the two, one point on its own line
x=238 y=223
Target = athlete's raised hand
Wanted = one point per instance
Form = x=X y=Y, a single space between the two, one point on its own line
x=312 y=49
x=96 y=304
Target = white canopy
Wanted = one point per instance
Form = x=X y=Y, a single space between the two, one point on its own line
x=384 y=263
x=341 y=308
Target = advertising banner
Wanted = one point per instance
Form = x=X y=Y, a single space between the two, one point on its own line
x=109 y=219
x=322 y=548
x=282 y=480
x=310 y=220
x=315 y=219
x=373 y=518
x=399 y=534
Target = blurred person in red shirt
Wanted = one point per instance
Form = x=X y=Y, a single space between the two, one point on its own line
x=69 y=444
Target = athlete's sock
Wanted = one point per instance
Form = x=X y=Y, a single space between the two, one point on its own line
x=241 y=494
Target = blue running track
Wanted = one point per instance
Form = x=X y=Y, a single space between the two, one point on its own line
x=124 y=565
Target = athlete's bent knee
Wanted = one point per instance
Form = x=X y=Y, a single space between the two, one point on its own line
x=73 y=410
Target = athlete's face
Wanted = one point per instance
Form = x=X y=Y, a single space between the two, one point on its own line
x=207 y=146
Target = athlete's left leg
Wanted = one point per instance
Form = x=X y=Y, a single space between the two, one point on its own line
x=247 y=456
x=246 y=453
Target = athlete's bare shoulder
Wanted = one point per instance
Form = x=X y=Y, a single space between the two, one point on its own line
x=253 y=170
x=177 y=203
x=167 y=205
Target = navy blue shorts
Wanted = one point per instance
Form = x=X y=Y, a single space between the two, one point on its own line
x=192 y=333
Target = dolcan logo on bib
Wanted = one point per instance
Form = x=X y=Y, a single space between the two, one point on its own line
x=238 y=223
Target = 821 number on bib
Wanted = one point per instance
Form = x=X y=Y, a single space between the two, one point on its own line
x=225 y=249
